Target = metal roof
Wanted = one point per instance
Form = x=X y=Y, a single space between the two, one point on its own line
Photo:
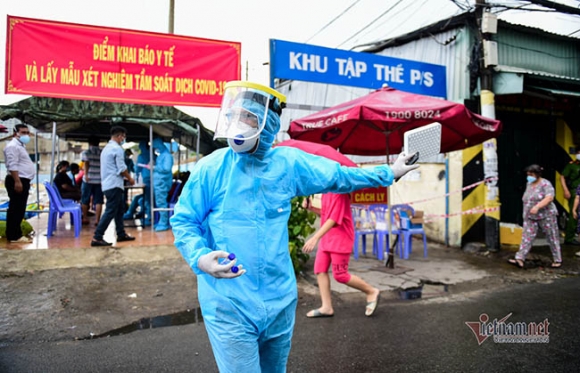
x=519 y=70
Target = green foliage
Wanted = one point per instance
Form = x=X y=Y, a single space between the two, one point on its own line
x=300 y=226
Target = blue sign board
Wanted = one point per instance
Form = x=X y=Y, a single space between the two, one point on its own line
x=312 y=63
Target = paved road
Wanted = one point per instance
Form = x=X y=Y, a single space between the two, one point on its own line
x=404 y=336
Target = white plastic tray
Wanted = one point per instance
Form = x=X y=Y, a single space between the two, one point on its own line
x=426 y=140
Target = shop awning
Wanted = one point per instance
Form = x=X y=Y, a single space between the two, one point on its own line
x=558 y=92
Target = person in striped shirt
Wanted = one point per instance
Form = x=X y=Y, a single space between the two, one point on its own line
x=91 y=187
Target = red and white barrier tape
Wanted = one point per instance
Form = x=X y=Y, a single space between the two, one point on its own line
x=475 y=210
x=453 y=192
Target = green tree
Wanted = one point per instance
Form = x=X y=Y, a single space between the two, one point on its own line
x=300 y=226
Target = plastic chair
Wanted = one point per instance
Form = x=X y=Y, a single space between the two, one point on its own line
x=58 y=207
x=363 y=225
x=381 y=228
x=408 y=230
x=175 y=196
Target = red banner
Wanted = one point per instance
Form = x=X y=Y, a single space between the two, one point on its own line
x=66 y=60
x=369 y=196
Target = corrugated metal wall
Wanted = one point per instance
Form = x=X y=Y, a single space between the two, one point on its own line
x=454 y=55
x=534 y=52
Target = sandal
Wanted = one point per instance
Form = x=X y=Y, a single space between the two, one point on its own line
x=372 y=306
x=556 y=265
x=517 y=262
x=316 y=313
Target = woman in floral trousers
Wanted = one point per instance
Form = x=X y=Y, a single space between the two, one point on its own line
x=539 y=212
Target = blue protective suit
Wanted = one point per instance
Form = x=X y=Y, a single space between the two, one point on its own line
x=143 y=158
x=240 y=203
x=162 y=179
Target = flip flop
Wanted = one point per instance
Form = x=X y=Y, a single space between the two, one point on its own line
x=372 y=306
x=556 y=264
x=316 y=313
x=516 y=262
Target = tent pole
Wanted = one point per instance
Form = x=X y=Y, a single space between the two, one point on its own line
x=151 y=192
x=57 y=149
x=37 y=169
x=197 y=144
x=52 y=152
x=390 y=250
x=178 y=157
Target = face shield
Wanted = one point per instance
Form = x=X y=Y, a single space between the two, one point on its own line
x=243 y=115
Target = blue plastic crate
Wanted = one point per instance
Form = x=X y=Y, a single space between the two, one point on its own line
x=413 y=293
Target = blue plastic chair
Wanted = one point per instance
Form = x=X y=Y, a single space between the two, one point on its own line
x=363 y=225
x=175 y=190
x=175 y=196
x=408 y=230
x=58 y=207
x=381 y=228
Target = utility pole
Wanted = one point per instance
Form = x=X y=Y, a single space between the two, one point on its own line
x=171 y=16
x=490 y=164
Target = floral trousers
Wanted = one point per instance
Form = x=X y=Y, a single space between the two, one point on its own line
x=549 y=226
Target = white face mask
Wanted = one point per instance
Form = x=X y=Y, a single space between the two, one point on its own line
x=578 y=157
x=244 y=137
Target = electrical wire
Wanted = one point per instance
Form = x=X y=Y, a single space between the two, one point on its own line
x=333 y=20
x=413 y=14
x=462 y=7
x=537 y=51
x=389 y=20
x=370 y=24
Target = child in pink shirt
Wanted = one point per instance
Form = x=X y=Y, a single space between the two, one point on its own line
x=336 y=236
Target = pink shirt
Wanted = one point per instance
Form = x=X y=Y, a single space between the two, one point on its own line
x=340 y=238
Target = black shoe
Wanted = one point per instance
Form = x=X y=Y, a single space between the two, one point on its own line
x=100 y=243
x=125 y=238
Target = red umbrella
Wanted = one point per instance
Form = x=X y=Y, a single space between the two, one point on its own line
x=319 y=149
x=360 y=126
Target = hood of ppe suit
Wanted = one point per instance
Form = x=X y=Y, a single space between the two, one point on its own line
x=143 y=148
x=271 y=128
x=143 y=158
x=159 y=145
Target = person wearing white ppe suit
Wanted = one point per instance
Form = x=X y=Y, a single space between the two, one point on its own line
x=237 y=200
x=162 y=179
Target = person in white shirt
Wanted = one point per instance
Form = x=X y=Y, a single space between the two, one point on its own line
x=21 y=171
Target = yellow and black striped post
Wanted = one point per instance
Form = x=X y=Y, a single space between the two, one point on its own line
x=473 y=225
x=565 y=142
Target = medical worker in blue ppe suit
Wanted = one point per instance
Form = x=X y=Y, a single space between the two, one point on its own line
x=162 y=179
x=142 y=172
x=237 y=200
